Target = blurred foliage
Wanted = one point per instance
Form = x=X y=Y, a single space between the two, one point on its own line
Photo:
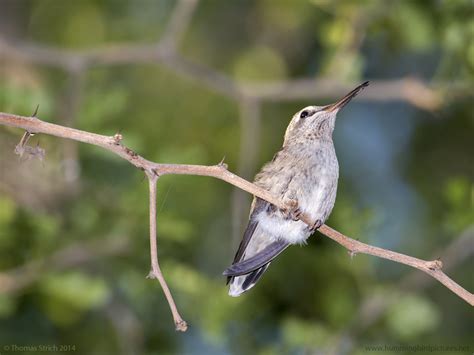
x=411 y=316
x=459 y=195
x=259 y=64
x=309 y=300
x=65 y=296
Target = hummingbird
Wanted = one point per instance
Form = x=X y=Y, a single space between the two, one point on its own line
x=304 y=174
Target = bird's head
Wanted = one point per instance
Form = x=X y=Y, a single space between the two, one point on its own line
x=314 y=122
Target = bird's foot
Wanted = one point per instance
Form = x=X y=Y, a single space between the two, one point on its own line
x=315 y=226
x=293 y=211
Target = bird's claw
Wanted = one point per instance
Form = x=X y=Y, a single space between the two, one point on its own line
x=293 y=212
x=315 y=226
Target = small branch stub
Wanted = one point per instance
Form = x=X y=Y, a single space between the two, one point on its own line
x=23 y=148
x=435 y=265
x=222 y=164
x=351 y=253
x=118 y=138
x=36 y=111
x=181 y=326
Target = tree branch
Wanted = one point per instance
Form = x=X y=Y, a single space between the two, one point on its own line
x=432 y=268
x=375 y=304
x=249 y=145
x=409 y=89
x=153 y=170
x=155 y=272
x=178 y=24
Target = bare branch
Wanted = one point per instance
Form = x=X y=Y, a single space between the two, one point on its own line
x=178 y=24
x=373 y=307
x=204 y=75
x=68 y=110
x=460 y=249
x=155 y=272
x=249 y=145
x=412 y=90
x=34 y=125
x=407 y=89
x=432 y=268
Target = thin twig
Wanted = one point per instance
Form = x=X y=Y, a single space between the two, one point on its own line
x=111 y=143
x=374 y=305
x=432 y=268
x=155 y=272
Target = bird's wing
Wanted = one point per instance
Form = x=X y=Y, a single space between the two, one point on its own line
x=257 y=205
x=258 y=260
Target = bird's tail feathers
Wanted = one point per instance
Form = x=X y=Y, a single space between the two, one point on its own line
x=241 y=284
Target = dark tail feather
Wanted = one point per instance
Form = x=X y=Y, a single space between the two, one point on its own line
x=240 y=284
x=258 y=260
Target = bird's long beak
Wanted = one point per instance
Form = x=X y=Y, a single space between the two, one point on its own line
x=342 y=102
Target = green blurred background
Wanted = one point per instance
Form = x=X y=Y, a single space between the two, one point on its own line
x=191 y=82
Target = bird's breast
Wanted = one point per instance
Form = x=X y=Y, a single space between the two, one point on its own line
x=308 y=175
x=318 y=193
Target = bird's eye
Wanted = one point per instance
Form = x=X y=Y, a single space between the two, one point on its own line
x=304 y=114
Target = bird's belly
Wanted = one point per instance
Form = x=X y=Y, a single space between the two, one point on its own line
x=315 y=200
x=312 y=183
x=277 y=227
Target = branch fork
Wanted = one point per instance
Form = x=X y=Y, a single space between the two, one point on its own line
x=154 y=170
